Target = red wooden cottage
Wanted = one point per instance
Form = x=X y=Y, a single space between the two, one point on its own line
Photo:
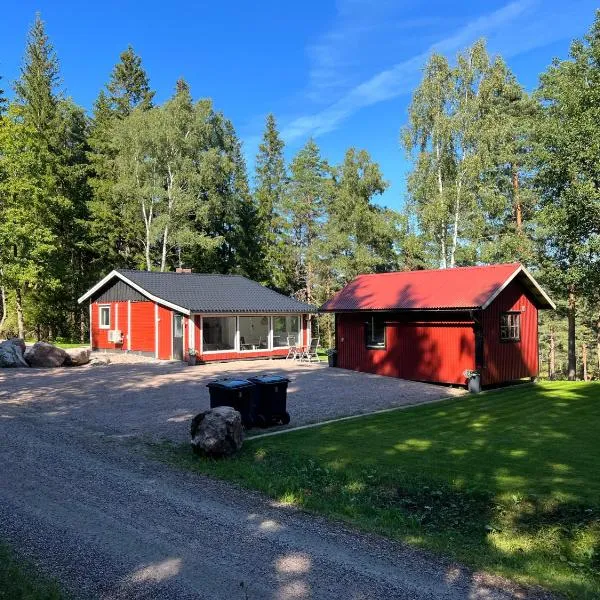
x=223 y=317
x=435 y=325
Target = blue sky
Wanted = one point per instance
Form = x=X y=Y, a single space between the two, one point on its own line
x=340 y=71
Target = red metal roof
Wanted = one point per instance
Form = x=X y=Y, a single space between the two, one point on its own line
x=461 y=287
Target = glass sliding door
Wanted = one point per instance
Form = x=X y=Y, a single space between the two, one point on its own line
x=218 y=334
x=286 y=331
x=254 y=333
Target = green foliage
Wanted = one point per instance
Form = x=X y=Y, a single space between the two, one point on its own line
x=19 y=581
x=502 y=481
x=271 y=183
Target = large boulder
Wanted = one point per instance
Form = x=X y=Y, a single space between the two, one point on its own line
x=43 y=354
x=11 y=353
x=217 y=432
x=77 y=357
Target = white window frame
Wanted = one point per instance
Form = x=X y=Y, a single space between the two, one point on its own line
x=300 y=330
x=269 y=334
x=236 y=339
x=101 y=307
x=237 y=348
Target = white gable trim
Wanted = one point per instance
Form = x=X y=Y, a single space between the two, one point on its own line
x=536 y=285
x=135 y=286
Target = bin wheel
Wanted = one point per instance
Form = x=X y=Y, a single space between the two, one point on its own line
x=285 y=418
x=261 y=421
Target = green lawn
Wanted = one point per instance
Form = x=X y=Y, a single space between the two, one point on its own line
x=507 y=481
x=64 y=344
x=19 y=581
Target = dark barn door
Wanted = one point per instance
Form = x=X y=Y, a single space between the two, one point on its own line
x=177 y=336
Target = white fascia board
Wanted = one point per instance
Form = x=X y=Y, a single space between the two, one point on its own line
x=135 y=286
x=536 y=285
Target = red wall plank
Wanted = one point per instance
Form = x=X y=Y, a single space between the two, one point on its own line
x=142 y=327
x=165 y=334
x=421 y=351
x=510 y=361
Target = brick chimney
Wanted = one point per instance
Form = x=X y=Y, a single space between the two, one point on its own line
x=182 y=270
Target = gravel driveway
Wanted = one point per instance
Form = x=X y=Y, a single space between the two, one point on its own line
x=80 y=500
x=156 y=400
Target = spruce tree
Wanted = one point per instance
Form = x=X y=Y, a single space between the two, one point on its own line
x=114 y=240
x=129 y=86
x=270 y=188
x=3 y=101
x=36 y=87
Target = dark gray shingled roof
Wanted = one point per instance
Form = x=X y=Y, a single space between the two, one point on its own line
x=199 y=292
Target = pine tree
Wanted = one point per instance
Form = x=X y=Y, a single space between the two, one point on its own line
x=360 y=237
x=567 y=153
x=305 y=208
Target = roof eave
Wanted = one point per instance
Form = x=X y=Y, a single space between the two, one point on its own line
x=544 y=301
x=135 y=286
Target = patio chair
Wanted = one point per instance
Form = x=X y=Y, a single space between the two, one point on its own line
x=311 y=352
x=294 y=351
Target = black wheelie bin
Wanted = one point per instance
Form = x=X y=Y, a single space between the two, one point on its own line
x=271 y=400
x=237 y=393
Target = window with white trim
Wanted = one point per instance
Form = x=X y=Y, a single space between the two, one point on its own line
x=375 y=332
x=510 y=327
x=286 y=331
x=104 y=317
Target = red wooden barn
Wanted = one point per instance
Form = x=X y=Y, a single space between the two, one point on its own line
x=223 y=317
x=435 y=325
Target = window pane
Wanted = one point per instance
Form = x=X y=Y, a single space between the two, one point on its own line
x=177 y=326
x=254 y=333
x=105 y=316
x=218 y=333
x=376 y=332
x=510 y=327
x=286 y=331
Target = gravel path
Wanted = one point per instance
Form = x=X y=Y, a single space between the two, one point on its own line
x=110 y=523
x=156 y=400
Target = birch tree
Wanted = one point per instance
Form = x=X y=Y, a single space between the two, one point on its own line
x=428 y=138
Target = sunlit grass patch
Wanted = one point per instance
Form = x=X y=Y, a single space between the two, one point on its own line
x=507 y=481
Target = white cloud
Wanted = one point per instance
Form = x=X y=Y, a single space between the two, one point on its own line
x=399 y=79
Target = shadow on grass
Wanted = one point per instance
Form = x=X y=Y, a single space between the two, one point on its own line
x=506 y=481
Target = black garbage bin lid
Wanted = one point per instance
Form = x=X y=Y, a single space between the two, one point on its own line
x=231 y=384
x=266 y=379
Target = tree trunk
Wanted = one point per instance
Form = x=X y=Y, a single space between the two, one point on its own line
x=19 y=306
x=3 y=301
x=443 y=263
x=552 y=356
x=82 y=329
x=584 y=361
x=163 y=258
x=517 y=199
x=598 y=345
x=455 y=226
x=572 y=353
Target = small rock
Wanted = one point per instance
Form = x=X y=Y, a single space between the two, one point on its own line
x=11 y=353
x=43 y=354
x=77 y=357
x=217 y=432
x=99 y=361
